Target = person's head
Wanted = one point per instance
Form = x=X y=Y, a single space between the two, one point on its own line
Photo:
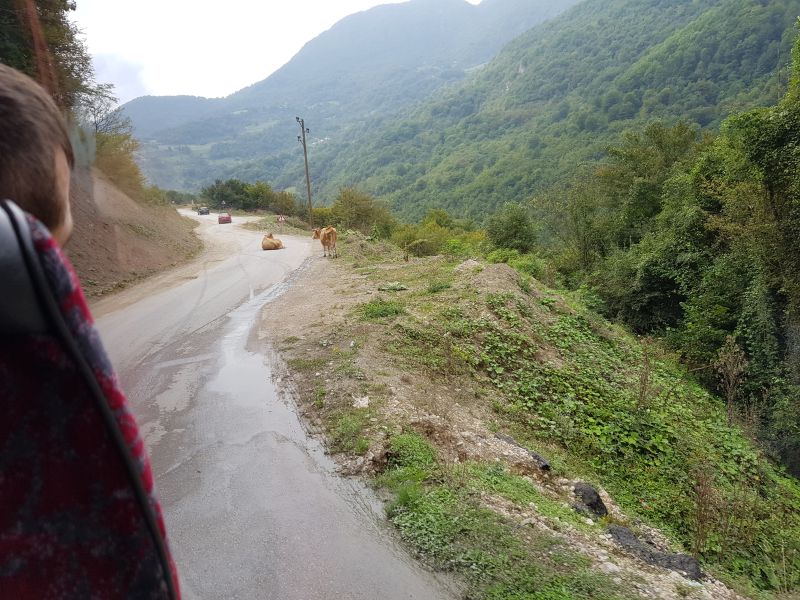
x=36 y=156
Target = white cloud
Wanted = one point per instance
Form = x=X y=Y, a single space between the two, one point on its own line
x=126 y=76
x=200 y=47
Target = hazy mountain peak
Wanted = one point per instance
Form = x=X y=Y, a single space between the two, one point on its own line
x=371 y=63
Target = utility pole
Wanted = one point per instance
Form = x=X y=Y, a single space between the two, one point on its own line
x=302 y=139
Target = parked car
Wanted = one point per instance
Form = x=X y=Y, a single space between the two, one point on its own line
x=203 y=210
x=224 y=218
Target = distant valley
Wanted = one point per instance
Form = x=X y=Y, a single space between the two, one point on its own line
x=368 y=68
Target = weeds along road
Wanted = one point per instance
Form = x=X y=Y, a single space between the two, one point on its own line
x=253 y=506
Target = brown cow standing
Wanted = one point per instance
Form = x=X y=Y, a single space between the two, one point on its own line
x=271 y=243
x=327 y=237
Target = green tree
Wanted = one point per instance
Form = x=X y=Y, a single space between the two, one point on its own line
x=354 y=209
x=438 y=216
x=633 y=177
x=15 y=48
x=285 y=203
x=512 y=227
x=259 y=195
x=68 y=56
x=229 y=194
x=717 y=254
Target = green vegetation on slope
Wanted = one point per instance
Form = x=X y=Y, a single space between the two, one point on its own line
x=598 y=402
x=695 y=239
x=675 y=233
x=558 y=95
x=437 y=511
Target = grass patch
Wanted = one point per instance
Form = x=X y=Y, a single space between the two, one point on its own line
x=434 y=287
x=381 y=309
x=349 y=369
x=422 y=347
x=306 y=364
x=319 y=397
x=346 y=431
x=495 y=478
x=562 y=378
x=451 y=531
x=646 y=448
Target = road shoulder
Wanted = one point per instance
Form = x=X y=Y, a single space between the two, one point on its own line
x=354 y=348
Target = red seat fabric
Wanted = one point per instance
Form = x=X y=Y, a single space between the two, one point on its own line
x=78 y=515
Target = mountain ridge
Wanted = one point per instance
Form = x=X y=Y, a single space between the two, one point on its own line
x=557 y=96
x=398 y=55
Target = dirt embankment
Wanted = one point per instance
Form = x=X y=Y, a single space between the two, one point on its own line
x=356 y=355
x=117 y=240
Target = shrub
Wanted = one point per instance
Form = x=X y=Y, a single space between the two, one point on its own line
x=434 y=287
x=322 y=216
x=512 y=227
x=502 y=255
x=154 y=195
x=404 y=235
x=297 y=222
x=411 y=450
x=284 y=203
x=116 y=158
x=422 y=248
x=529 y=264
x=455 y=247
x=356 y=210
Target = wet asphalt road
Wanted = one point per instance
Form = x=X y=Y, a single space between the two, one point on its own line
x=253 y=506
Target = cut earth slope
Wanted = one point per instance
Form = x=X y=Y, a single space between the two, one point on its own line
x=117 y=240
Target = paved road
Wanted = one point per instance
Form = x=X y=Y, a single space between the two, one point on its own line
x=253 y=506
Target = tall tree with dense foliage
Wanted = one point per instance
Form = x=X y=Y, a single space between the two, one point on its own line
x=512 y=227
x=356 y=210
x=67 y=55
x=38 y=38
x=696 y=239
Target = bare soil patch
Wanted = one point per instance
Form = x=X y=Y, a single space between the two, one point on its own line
x=117 y=241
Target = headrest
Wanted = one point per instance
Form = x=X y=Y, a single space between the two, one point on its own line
x=20 y=310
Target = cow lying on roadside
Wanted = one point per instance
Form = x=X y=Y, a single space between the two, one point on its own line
x=271 y=243
x=327 y=237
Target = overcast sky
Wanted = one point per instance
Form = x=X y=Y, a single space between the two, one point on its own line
x=200 y=47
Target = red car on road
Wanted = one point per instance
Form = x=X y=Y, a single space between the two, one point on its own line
x=224 y=218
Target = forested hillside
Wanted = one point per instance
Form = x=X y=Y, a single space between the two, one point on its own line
x=153 y=114
x=369 y=65
x=560 y=94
